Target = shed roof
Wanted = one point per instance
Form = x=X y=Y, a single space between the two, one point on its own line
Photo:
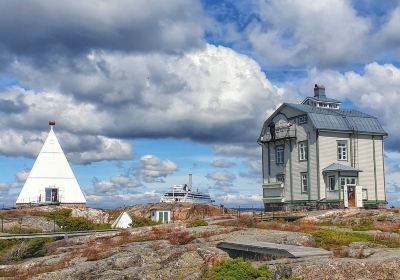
x=340 y=167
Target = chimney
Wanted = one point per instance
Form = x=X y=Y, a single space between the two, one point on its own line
x=319 y=91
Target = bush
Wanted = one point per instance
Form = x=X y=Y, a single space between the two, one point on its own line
x=23 y=249
x=198 y=223
x=143 y=222
x=237 y=269
x=64 y=220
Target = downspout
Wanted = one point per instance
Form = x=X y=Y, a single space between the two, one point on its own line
x=318 y=171
x=308 y=166
x=374 y=158
x=290 y=168
x=384 y=175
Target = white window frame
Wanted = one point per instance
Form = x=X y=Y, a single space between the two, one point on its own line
x=304 y=182
x=364 y=194
x=342 y=150
x=334 y=183
x=280 y=154
x=303 y=151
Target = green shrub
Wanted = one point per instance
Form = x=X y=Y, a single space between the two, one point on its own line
x=143 y=222
x=237 y=269
x=198 y=223
x=19 y=249
x=64 y=220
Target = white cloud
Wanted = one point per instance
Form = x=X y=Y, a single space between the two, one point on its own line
x=307 y=32
x=222 y=179
x=375 y=91
x=222 y=163
x=152 y=169
x=22 y=175
x=254 y=169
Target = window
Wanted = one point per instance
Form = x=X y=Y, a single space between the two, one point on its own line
x=351 y=181
x=332 y=183
x=303 y=151
x=302 y=119
x=365 y=194
x=279 y=154
x=342 y=150
x=280 y=178
x=304 y=182
x=342 y=182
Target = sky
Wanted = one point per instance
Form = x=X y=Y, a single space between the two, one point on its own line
x=144 y=92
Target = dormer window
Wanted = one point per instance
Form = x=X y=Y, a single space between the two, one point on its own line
x=303 y=119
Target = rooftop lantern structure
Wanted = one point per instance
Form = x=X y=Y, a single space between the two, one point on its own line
x=320 y=99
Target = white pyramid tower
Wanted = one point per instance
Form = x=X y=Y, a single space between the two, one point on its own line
x=51 y=180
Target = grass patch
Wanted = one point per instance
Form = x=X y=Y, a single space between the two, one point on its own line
x=66 y=222
x=237 y=269
x=197 y=223
x=331 y=239
x=143 y=222
x=17 y=230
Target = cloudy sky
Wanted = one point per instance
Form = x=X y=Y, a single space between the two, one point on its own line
x=144 y=92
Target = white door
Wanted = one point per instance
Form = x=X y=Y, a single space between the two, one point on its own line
x=359 y=197
x=345 y=197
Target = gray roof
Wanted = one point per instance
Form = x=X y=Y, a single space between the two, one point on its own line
x=340 y=119
x=322 y=98
x=339 y=167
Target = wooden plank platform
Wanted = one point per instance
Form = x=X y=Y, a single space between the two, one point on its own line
x=272 y=249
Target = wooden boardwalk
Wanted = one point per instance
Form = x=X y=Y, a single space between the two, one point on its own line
x=271 y=249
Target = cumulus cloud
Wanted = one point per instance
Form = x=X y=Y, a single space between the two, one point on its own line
x=222 y=179
x=116 y=200
x=116 y=185
x=222 y=163
x=22 y=175
x=376 y=91
x=51 y=29
x=322 y=33
x=152 y=169
x=254 y=169
x=209 y=95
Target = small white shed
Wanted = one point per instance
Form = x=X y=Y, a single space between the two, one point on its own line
x=124 y=220
x=161 y=215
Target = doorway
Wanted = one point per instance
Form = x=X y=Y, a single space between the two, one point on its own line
x=51 y=195
x=351 y=195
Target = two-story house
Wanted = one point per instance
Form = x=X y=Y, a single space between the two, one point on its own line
x=317 y=155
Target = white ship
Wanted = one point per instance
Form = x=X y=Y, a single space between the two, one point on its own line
x=184 y=193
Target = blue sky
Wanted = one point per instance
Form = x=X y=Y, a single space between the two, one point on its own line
x=145 y=92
